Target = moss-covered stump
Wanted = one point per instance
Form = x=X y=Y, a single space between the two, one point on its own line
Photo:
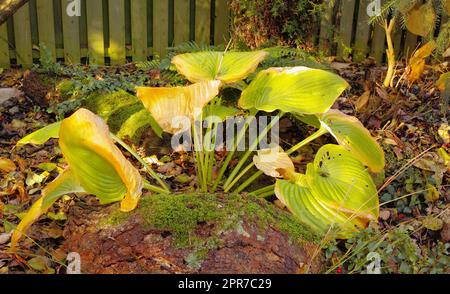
x=124 y=114
x=191 y=233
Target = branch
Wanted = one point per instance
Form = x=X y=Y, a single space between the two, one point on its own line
x=8 y=7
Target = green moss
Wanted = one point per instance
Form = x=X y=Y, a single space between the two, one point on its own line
x=183 y=214
x=124 y=113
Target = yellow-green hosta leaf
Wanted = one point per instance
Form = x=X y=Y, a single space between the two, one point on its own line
x=41 y=136
x=350 y=133
x=308 y=208
x=341 y=181
x=96 y=162
x=300 y=90
x=65 y=183
x=219 y=112
x=169 y=104
x=228 y=67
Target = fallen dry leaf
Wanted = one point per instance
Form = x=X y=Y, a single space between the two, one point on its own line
x=7 y=165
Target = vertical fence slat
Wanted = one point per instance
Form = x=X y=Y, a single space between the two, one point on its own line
x=4 y=46
x=346 y=27
x=117 y=48
x=202 y=21
x=160 y=27
x=326 y=30
x=362 y=32
x=222 y=22
x=139 y=29
x=378 y=47
x=96 y=42
x=46 y=25
x=71 y=36
x=181 y=21
x=22 y=36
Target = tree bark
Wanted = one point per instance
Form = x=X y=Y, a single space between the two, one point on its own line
x=8 y=7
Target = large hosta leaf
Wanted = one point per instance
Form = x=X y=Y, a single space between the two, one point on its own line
x=336 y=191
x=350 y=133
x=227 y=67
x=65 y=183
x=169 y=104
x=298 y=89
x=342 y=182
x=42 y=135
x=96 y=166
x=96 y=162
x=308 y=208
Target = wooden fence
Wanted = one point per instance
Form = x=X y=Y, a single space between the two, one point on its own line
x=114 y=31
x=345 y=31
x=110 y=31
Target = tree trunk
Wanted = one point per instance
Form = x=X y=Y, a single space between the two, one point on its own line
x=8 y=7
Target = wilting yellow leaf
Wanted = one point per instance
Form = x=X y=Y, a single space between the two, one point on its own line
x=421 y=19
x=416 y=64
x=274 y=163
x=7 y=165
x=169 y=106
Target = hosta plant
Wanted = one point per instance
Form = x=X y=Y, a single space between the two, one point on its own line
x=336 y=190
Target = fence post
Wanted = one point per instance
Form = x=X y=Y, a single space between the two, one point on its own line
x=139 y=20
x=4 y=46
x=71 y=35
x=181 y=21
x=221 y=22
x=116 y=50
x=362 y=32
x=202 y=21
x=46 y=26
x=96 y=43
x=160 y=27
x=22 y=32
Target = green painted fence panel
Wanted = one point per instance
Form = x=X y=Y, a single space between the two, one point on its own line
x=22 y=36
x=160 y=27
x=181 y=21
x=71 y=35
x=139 y=30
x=363 y=29
x=95 y=29
x=326 y=30
x=202 y=21
x=221 y=22
x=346 y=28
x=117 y=49
x=4 y=46
x=46 y=25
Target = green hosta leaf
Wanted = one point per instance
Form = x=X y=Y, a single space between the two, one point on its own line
x=298 y=89
x=308 y=208
x=219 y=112
x=41 y=136
x=342 y=182
x=228 y=67
x=96 y=162
x=96 y=166
x=350 y=133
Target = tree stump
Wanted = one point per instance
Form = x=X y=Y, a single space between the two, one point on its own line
x=192 y=233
